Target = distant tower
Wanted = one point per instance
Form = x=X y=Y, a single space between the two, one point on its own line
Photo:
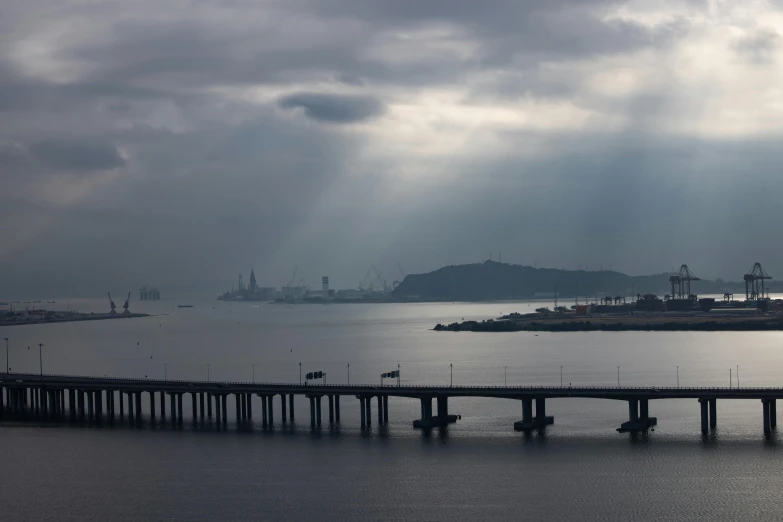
x=252 y=280
x=239 y=285
x=325 y=285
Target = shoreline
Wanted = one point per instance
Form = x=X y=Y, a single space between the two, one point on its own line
x=71 y=318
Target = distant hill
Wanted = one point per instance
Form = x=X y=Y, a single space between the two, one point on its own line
x=491 y=280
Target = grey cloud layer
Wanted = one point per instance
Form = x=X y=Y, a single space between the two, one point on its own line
x=198 y=105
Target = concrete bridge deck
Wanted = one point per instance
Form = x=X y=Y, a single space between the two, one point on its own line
x=43 y=396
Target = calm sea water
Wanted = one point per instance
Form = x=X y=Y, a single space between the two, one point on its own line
x=477 y=469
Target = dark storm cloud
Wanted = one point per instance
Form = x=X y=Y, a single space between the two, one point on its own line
x=333 y=108
x=186 y=97
x=75 y=155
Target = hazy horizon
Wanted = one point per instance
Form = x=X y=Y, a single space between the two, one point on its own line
x=181 y=143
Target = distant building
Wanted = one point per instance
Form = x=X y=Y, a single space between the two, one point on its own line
x=152 y=294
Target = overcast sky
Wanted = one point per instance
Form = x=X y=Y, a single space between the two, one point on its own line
x=176 y=142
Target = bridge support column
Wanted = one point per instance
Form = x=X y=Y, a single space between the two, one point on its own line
x=249 y=402
x=283 y=412
x=98 y=405
x=705 y=415
x=362 y=411
x=386 y=409
x=291 y=406
x=429 y=421
x=201 y=404
x=130 y=407
x=217 y=410
x=173 y=402
x=238 y=400
x=638 y=417
x=765 y=404
x=90 y=406
x=71 y=403
x=122 y=406
x=368 y=407
x=2 y=402
x=163 y=407
x=111 y=406
x=312 y=412
x=179 y=409
x=330 y=398
x=270 y=410
x=380 y=410
x=138 y=407
x=209 y=405
x=194 y=408
x=263 y=411
x=152 y=405
x=773 y=414
x=337 y=409
x=530 y=422
x=225 y=412
x=318 y=410
x=713 y=413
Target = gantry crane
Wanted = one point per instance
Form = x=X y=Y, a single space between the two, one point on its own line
x=754 y=283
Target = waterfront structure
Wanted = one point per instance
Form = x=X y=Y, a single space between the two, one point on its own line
x=93 y=399
x=149 y=294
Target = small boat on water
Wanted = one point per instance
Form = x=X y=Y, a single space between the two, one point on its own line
x=184 y=306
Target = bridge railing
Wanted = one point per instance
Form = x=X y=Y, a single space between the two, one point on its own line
x=130 y=380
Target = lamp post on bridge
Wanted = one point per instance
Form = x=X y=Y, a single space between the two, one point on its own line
x=505 y=383
x=254 y=372
x=618 y=376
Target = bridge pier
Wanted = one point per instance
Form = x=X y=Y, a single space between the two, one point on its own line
x=238 y=400
x=225 y=411
x=263 y=410
x=380 y=410
x=194 y=410
x=363 y=412
x=368 y=408
x=337 y=409
x=429 y=421
x=217 y=410
x=330 y=398
x=130 y=407
x=122 y=406
x=291 y=405
x=249 y=401
x=529 y=422
x=318 y=410
x=270 y=410
x=201 y=404
x=179 y=408
x=210 y=398
x=638 y=420
x=98 y=405
x=312 y=411
x=283 y=413
x=386 y=409
x=769 y=408
x=138 y=407
x=709 y=414
x=152 y=406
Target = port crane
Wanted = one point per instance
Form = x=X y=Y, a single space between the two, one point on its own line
x=113 y=306
x=289 y=288
x=681 y=283
x=126 y=305
x=754 y=283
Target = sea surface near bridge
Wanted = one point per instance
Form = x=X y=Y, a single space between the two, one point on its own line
x=478 y=469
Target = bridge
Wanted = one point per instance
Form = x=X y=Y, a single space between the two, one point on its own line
x=95 y=399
